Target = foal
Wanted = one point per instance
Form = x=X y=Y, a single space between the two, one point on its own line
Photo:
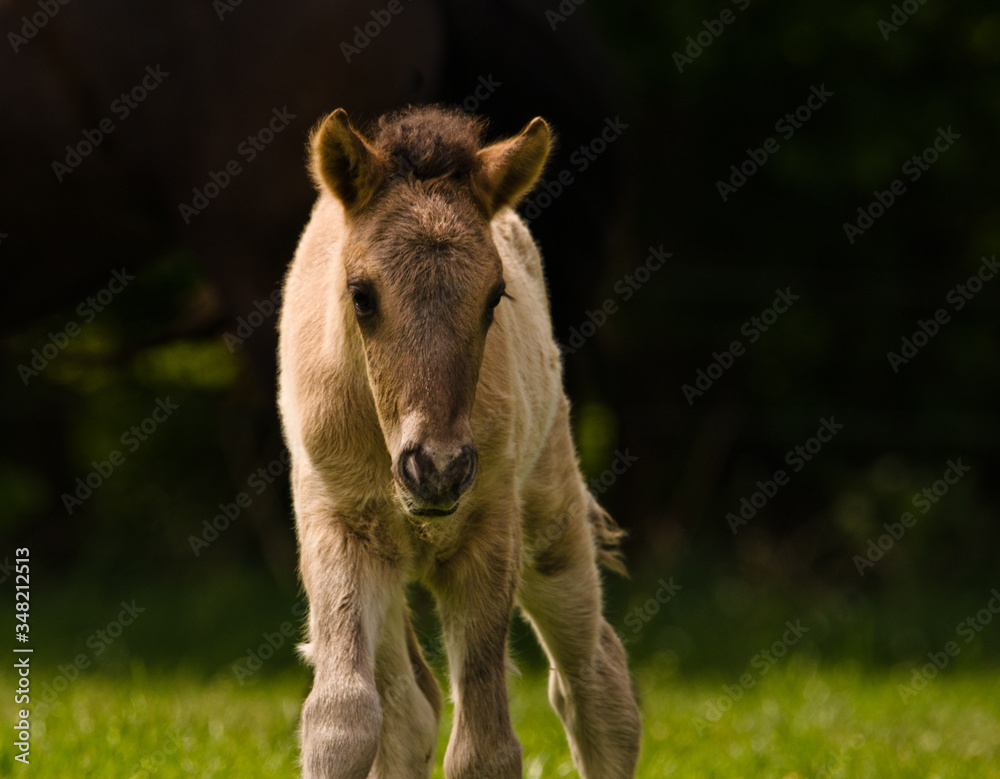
x=422 y=402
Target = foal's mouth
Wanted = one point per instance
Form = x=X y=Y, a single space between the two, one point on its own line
x=426 y=508
x=424 y=512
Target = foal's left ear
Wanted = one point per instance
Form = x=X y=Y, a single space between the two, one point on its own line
x=506 y=170
x=344 y=161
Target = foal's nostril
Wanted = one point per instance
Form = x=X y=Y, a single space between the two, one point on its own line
x=410 y=472
x=416 y=470
x=462 y=470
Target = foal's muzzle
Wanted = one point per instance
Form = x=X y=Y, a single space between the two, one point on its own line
x=434 y=478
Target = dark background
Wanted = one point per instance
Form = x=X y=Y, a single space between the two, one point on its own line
x=168 y=334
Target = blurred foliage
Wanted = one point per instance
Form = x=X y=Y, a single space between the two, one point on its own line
x=783 y=229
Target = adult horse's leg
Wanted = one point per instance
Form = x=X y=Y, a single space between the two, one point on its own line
x=589 y=685
x=411 y=700
x=350 y=585
x=475 y=594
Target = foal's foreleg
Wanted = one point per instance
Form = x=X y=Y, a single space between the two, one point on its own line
x=475 y=597
x=349 y=590
x=411 y=700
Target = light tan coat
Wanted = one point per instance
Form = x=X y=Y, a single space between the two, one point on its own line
x=451 y=463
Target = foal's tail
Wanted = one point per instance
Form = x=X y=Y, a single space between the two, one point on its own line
x=608 y=538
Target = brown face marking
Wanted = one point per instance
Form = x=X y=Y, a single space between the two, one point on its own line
x=423 y=276
x=428 y=273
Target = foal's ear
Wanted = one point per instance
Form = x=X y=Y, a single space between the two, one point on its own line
x=508 y=169
x=343 y=161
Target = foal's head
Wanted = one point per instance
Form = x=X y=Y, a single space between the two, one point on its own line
x=423 y=277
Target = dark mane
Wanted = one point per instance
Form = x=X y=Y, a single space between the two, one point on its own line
x=429 y=141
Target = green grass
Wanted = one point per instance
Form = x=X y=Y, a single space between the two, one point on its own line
x=797 y=720
x=830 y=707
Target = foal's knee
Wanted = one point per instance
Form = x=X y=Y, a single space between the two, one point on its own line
x=340 y=734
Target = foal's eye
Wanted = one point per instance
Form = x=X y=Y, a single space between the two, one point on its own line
x=363 y=303
x=494 y=302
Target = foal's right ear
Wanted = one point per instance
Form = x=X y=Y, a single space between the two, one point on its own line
x=506 y=170
x=344 y=162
